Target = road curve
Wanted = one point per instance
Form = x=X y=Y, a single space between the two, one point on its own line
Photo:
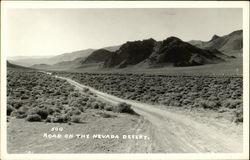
x=174 y=132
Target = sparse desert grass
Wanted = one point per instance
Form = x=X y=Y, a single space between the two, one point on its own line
x=40 y=97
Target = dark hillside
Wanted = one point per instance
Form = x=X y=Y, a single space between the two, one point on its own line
x=175 y=51
x=131 y=53
x=97 y=56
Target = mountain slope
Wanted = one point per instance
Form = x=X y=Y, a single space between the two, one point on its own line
x=179 y=53
x=97 y=56
x=230 y=44
x=112 y=48
x=131 y=53
x=11 y=65
x=69 y=64
x=71 y=56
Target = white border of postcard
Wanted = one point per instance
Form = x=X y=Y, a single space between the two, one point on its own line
x=127 y=4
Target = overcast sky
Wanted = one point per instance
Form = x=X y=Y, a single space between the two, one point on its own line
x=45 y=32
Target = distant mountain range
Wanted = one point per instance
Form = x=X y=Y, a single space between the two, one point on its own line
x=230 y=44
x=63 y=58
x=96 y=57
x=148 y=53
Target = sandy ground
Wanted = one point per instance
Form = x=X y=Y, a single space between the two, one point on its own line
x=28 y=137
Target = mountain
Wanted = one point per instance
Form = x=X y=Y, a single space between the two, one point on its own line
x=97 y=56
x=60 y=65
x=148 y=53
x=180 y=53
x=171 y=51
x=11 y=65
x=70 y=56
x=230 y=44
x=27 y=62
x=53 y=60
x=68 y=64
x=112 y=48
x=131 y=53
x=60 y=60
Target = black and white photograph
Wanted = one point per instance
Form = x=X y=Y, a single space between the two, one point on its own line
x=121 y=79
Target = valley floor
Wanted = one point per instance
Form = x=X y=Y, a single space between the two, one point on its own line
x=230 y=67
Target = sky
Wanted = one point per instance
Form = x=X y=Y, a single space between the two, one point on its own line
x=47 y=32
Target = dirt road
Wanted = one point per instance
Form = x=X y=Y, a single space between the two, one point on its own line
x=178 y=133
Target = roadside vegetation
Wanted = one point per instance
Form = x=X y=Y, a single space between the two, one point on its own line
x=36 y=96
x=218 y=93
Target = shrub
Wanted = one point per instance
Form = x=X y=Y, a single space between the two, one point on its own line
x=238 y=115
x=85 y=99
x=24 y=109
x=10 y=109
x=76 y=119
x=108 y=108
x=177 y=104
x=213 y=98
x=58 y=118
x=43 y=112
x=24 y=97
x=166 y=101
x=82 y=108
x=33 y=118
x=101 y=105
x=186 y=102
x=50 y=111
x=95 y=105
x=89 y=104
x=123 y=108
x=18 y=114
x=206 y=104
x=14 y=113
x=49 y=118
x=85 y=90
x=17 y=104
x=76 y=112
x=232 y=104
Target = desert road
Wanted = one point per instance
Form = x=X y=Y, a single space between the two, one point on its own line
x=175 y=132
